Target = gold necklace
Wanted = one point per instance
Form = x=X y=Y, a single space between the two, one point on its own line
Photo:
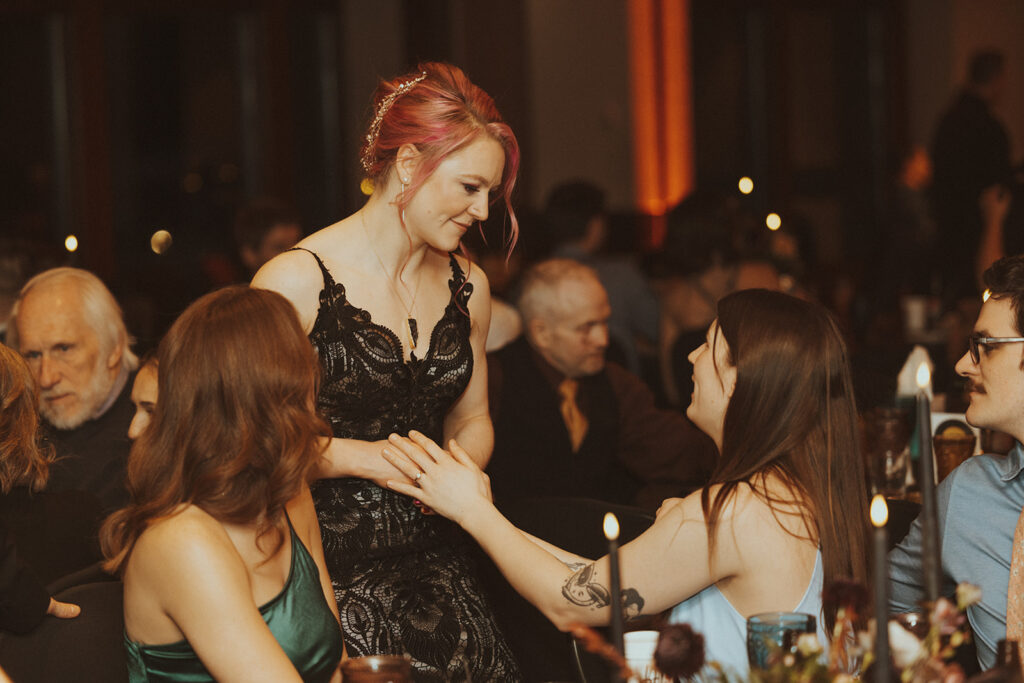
x=410 y=321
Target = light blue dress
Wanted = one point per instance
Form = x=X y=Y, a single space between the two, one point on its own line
x=725 y=630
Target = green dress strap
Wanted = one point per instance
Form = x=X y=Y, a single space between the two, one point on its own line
x=298 y=617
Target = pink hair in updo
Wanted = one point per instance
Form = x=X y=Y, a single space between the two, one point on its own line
x=439 y=115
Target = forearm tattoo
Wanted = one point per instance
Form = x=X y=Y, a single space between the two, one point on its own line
x=583 y=590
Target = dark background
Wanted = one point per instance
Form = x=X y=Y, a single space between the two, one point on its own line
x=121 y=117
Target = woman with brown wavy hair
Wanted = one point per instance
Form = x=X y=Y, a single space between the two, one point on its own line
x=219 y=549
x=44 y=535
x=785 y=511
x=23 y=462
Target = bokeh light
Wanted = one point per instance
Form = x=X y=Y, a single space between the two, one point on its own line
x=71 y=243
x=746 y=185
x=160 y=241
x=773 y=221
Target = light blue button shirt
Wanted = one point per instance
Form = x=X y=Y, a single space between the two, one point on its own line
x=978 y=506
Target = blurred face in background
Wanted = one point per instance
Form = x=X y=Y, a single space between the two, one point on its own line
x=573 y=335
x=76 y=374
x=144 y=395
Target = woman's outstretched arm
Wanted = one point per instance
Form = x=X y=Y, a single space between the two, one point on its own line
x=665 y=565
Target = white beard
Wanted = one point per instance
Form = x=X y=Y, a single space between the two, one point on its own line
x=87 y=402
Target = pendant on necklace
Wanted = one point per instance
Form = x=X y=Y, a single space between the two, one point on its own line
x=414 y=332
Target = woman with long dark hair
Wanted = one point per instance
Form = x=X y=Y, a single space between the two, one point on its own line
x=219 y=548
x=399 y=321
x=785 y=511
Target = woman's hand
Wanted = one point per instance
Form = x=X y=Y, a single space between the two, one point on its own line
x=63 y=610
x=352 y=458
x=449 y=482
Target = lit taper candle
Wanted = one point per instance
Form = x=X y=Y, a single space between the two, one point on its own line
x=879 y=517
x=611 y=532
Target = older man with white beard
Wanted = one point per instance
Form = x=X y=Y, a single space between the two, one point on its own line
x=70 y=329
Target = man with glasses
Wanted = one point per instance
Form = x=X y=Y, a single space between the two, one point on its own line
x=981 y=529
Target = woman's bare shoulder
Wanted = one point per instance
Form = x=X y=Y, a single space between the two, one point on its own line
x=293 y=270
x=296 y=276
x=186 y=543
x=743 y=509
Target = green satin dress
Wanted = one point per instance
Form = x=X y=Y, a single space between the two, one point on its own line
x=298 y=617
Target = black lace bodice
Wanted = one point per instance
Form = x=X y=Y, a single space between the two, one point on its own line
x=368 y=389
x=402 y=579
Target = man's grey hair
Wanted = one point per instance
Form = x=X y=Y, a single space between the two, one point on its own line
x=99 y=307
x=538 y=290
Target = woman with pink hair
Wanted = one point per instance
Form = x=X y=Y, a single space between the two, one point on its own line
x=400 y=321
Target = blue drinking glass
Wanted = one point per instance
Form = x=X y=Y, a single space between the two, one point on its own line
x=770 y=632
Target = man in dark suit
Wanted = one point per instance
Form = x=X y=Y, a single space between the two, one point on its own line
x=568 y=423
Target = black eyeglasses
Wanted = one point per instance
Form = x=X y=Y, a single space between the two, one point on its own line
x=976 y=342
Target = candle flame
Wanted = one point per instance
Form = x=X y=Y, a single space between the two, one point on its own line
x=611 y=526
x=879 y=511
x=924 y=375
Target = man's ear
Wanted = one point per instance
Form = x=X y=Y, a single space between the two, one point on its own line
x=114 y=358
x=539 y=332
x=407 y=160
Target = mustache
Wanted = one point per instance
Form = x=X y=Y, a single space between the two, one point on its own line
x=974 y=387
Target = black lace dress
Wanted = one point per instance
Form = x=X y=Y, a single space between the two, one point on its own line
x=403 y=580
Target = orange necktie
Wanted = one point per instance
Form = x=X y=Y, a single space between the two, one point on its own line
x=1015 y=590
x=575 y=421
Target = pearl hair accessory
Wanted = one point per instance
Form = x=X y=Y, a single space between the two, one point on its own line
x=385 y=105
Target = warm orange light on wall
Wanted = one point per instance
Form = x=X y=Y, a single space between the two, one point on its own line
x=662 y=105
x=645 y=97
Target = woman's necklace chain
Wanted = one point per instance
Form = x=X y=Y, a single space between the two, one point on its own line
x=413 y=328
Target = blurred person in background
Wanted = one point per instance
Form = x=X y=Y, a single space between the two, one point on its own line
x=69 y=328
x=42 y=535
x=701 y=264
x=577 y=222
x=144 y=394
x=970 y=153
x=263 y=229
x=614 y=444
